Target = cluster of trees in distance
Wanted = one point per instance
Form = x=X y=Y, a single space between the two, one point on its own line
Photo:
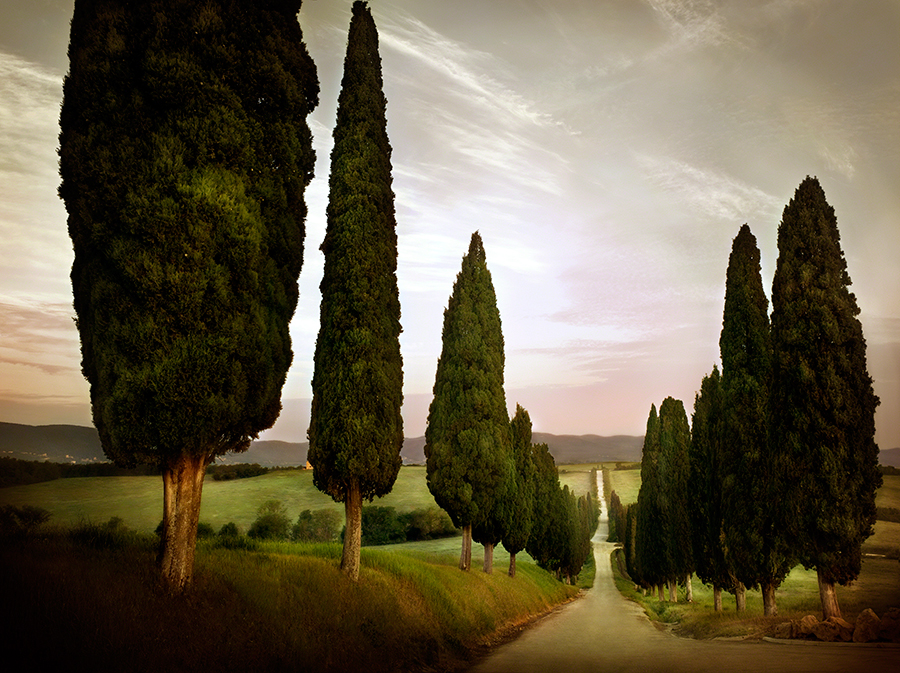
x=780 y=465
x=482 y=467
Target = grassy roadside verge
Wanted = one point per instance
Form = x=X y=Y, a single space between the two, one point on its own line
x=285 y=607
x=878 y=587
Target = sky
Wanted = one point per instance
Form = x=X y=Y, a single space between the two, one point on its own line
x=608 y=152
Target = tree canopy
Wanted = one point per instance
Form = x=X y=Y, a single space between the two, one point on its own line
x=467 y=439
x=356 y=430
x=822 y=404
x=184 y=156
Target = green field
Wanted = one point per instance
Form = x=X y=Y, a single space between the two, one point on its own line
x=626 y=484
x=138 y=500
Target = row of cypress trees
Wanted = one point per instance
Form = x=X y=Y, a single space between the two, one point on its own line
x=780 y=466
x=482 y=468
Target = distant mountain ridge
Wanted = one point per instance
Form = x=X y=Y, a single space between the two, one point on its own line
x=79 y=444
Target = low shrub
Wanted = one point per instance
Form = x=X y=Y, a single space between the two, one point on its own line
x=21 y=521
x=113 y=534
x=272 y=522
x=322 y=525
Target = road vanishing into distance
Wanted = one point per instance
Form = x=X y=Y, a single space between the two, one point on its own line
x=603 y=631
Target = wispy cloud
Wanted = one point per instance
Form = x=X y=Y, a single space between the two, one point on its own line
x=36 y=331
x=711 y=193
x=692 y=24
x=469 y=70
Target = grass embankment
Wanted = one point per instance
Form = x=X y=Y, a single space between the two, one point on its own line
x=286 y=607
x=878 y=586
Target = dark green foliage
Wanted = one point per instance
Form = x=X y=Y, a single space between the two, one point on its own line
x=272 y=522
x=15 y=472
x=239 y=471
x=322 y=525
x=229 y=529
x=757 y=549
x=650 y=524
x=822 y=403
x=21 y=521
x=628 y=542
x=705 y=493
x=467 y=439
x=229 y=537
x=113 y=534
x=184 y=155
x=204 y=530
x=562 y=524
x=545 y=539
x=616 y=519
x=384 y=525
x=674 y=467
x=520 y=501
x=427 y=524
x=381 y=526
x=356 y=430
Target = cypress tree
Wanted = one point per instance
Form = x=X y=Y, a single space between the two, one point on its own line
x=521 y=500
x=356 y=430
x=674 y=476
x=822 y=404
x=706 y=488
x=467 y=438
x=543 y=542
x=650 y=524
x=184 y=156
x=757 y=550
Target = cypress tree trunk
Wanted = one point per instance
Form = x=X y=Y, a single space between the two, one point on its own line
x=740 y=597
x=673 y=591
x=488 y=566
x=688 y=583
x=768 y=594
x=512 y=565
x=661 y=592
x=830 y=607
x=717 y=599
x=353 y=533
x=465 y=559
x=182 y=488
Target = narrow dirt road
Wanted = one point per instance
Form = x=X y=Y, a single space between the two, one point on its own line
x=605 y=632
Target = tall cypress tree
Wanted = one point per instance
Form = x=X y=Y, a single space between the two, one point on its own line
x=706 y=487
x=674 y=478
x=467 y=439
x=544 y=540
x=757 y=549
x=520 y=502
x=184 y=156
x=356 y=430
x=822 y=404
x=650 y=524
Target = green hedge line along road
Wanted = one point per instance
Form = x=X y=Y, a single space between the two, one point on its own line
x=605 y=632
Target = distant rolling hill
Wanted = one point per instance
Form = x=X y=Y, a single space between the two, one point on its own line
x=78 y=444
